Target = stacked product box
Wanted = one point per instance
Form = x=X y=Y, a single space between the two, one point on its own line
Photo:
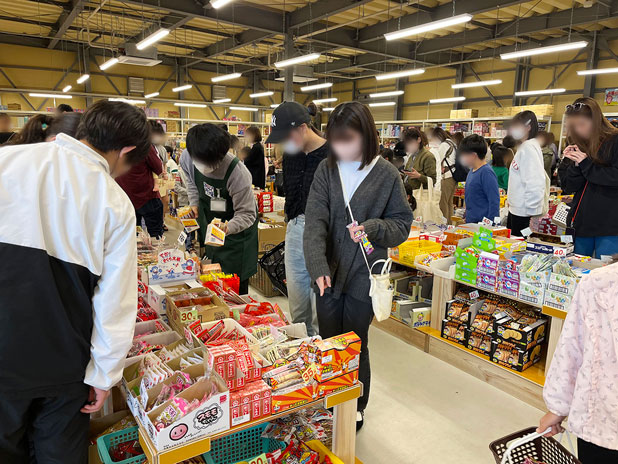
x=251 y=403
x=466 y=264
x=265 y=202
x=459 y=311
x=487 y=271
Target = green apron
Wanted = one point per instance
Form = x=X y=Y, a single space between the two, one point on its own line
x=240 y=252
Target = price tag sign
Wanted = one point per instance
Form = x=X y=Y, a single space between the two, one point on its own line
x=497 y=220
x=188 y=315
x=474 y=295
x=450 y=227
x=188 y=337
x=560 y=252
x=182 y=238
x=566 y=238
x=526 y=232
x=261 y=459
x=418 y=219
x=486 y=222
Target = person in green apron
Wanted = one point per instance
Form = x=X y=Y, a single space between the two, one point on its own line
x=219 y=187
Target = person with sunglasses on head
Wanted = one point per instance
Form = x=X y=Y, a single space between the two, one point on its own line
x=528 y=183
x=354 y=191
x=592 y=175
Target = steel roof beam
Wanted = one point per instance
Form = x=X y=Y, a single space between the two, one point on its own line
x=65 y=21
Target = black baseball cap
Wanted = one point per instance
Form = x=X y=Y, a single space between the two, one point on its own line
x=287 y=116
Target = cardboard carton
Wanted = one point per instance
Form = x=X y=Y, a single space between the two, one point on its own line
x=335 y=356
x=508 y=355
x=270 y=235
x=337 y=383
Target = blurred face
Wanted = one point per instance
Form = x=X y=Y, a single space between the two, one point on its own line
x=467 y=159
x=158 y=139
x=519 y=131
x=295 y=142
x=580 y=125
x=348 y=146
x=413 y=146
x=118 y=162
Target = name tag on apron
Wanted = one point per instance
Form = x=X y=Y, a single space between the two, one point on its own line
x=218 y=204
x=209 y=190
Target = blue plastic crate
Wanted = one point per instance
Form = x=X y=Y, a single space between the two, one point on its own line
x=241 y=446
x=106 y=441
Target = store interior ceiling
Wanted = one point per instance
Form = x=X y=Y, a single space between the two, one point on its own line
x=349 y=35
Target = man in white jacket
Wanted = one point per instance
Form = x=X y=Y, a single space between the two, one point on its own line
x=528 y=187
x=68 y=282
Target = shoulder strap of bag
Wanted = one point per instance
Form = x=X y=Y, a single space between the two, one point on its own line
x=346 y=200
x=448 y=153
x=579 y=203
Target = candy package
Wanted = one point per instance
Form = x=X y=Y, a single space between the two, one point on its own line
x=125 y=450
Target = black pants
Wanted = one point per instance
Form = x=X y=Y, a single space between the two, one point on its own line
x=344 y=314
x=517 y=223
x=152 y=212
x=44 y=430
x=590 y=453
x=243 y=288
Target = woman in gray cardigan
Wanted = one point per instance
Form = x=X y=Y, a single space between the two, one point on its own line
x=333 y=255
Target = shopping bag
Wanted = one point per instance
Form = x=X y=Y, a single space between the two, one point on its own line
x=428 y=204
x=381 y=290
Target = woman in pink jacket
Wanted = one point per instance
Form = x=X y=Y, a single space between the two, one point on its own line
x=582 y=382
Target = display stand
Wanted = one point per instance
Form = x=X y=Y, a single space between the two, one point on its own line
x=344 y=431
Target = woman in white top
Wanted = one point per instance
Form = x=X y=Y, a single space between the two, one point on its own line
x=527 y=184
x=447 y=152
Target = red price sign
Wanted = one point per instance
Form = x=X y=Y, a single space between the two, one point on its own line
x=560 y=252
x=188 y=316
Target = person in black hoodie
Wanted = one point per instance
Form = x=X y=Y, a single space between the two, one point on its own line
x=593 y=177
x=255 y=160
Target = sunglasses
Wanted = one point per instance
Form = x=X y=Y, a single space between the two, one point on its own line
x=575 y=107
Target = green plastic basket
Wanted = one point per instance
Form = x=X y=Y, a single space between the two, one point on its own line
x=106 y=441
x=241 y=446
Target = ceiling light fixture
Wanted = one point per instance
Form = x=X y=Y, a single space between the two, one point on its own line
x=382 y=104
x=152 y=95
x=310 y=88
x=222 y=100
x=220 y=3
x=152 y=38
x=297 y=60
x=447 y=100
x=127 y=100
x=275 y=105
x=190 y=105
x=466 y=85
x=432 y=26
x=398 y=74
x=50 y=95
x=108 y=64
x=83 y=78
x=181 y=88
x=261 y=94
x=589 y=72
x=243 y=108
x=330 y=108
x=325 y=100
x=543 y=50
x=392 y=93
x=226 y=77
x=526 y=93
x=67 y=88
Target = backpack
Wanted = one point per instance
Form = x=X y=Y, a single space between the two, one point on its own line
x=459 y=172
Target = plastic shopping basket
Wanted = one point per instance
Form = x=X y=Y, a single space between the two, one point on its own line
x=241 y=446
x=273 y=263
x=515 y=448
x=106 y=441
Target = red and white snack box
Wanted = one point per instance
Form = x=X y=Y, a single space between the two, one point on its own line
x=250 y=403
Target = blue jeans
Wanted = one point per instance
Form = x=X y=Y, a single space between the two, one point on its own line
x=301 y=296
x=596 y=246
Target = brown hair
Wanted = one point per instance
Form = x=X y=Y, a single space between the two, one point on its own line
x=356 y=117
x=414 y=134
x=439 y=133
x=41 y=126
x=255 y=133
x=603 y=130
x=527 y=118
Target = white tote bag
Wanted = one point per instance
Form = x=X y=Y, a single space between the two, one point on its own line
x=380 y=288
x=428 y=203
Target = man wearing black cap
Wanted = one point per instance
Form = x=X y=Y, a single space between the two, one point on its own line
x=304 y=149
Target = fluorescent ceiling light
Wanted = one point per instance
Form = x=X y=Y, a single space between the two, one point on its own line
x=543 y=50
x=108 y=64
x=325 y=100
x=83 y=78
x=330 y=108
x=466 y=85
x=397 y=74
x=243 y=108
x=225 y=77
x=222 y=100
x=190 y=105
x=152 y=95
x=220 y=3
x=50 y=95
x=261 y=94
x=382 y=104
x=392 y=93
x=447 y=100
x=588 y=72
x=127 y=100
x=309 y=88
x=152 y=38
x=297 y=60
x=526 y=93
x=432 y=26
x=67 y=88
x=275 y=105
x=181 y=88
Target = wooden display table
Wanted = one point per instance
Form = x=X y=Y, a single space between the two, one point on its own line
x=344 y=431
